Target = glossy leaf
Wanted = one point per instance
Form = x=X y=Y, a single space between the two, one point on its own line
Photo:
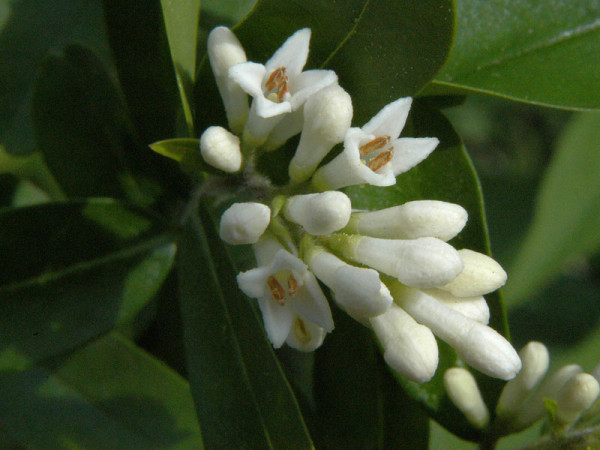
x=181 y=23
x=72 y=271
x=110 y=394
x=380 y=50
x=446 y=175
x=537 y=52
x=567 y=218
x=242 y=396
x=185 y=151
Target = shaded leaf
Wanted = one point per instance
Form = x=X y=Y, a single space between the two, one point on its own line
x=543 y=53
x=242 y=397
x=72 y=271
x=109 y=394
x=185 y=151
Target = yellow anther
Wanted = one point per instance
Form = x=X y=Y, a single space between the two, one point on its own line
x=276 y=289
x=375 y=144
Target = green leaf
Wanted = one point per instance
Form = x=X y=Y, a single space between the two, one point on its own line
x=380 y=50
x=243 y=400
x=543 y=53
x=181 y=22
x=567 y=218
x=446 y=175
x=109 y=394
x=185 y=151
x=72 y=271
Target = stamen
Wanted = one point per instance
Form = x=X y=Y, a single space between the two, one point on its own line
x=301 y=332
x=375 y=144
x=276 y=289
x=381 y=160
x=275 y=78
x=283 y=89
x=292 y=285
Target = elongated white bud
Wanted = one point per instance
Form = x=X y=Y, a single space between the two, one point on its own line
x=480 y=276
x=327 y=116
x=577 y=395
x=464 y=393
x=244 y=223
x=225 y=51
x=475 y=308
x=411 y=220
x=359 y=291
x=409 y=348
x=535 y=359
x=221 y=149
x=319 y=214
x=478 y=345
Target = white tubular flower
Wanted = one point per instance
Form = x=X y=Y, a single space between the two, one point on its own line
x=478 y=345
x=475 y=308
x=409 y=348
x=327 y=117
x=319 y=214
x=359 y=291
x=464 y=393
x=225 y=51
x=533 y=409
x=535 y=359
x=289 y=126
x=286 y=291
x=424 y=262
x=244 y=223
x=374 y=154
x=221 y=149
x=411 y=220
x=480 y=276
x=279 y=87
x=577 y=395
x=305 y=336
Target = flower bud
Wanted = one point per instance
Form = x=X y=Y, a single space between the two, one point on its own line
x=305 y=335
x=221 y=149
x=319 y=214
x=535 y=359
x=409 y=348
x=327 y=116
x=225 y=51
x=244 y=223
x=577 y=395
x=475 y=308
x=464 y=393
x=480 y=276
x=411 y=220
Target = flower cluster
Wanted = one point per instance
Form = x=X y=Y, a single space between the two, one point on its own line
x=392 y=270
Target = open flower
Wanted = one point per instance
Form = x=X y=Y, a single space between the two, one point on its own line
x=280 y=86
x=293 y=307
x=375 y=154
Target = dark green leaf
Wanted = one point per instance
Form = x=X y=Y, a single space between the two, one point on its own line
x=242 y=398
x=71 y=271
x=537 y=52
x=185 y=151
x=181 y=23
x=567 y=218
x=109 y=394
x=380 y=50
x=446 y=175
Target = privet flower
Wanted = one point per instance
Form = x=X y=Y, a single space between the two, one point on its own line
x=221 y=149
x=244 y=223
x=293 y=306
x=319 y=214
x=481 y=275
x=463 y=391
x=280 y=86
x=375 y=154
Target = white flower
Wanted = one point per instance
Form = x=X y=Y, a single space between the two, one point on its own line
x=409 y=348
x=221 y=149
x=478 y=345
x=480 y=276
x=374 y=154
x=411 y=220
x=576 y=396
x=423 y=262
x=359 y=291
x=327 y=117
x=475 y=308
x=244 y=223
x=289 y=297
x=279 y=87
x=464 y=393
x=225 y=51
x=321 y=213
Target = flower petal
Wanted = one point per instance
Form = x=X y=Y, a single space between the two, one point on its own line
x=277 y=319
x=408 y=152
x=390 y=120
x=305 y=336
x=292 y=54
x=310 y=302
x=249 y=76
x=308 y=83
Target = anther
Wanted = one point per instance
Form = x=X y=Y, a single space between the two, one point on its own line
x=292 y=285
x=381 y=160
x=283 y=88
x=375 y=144
x=275 y=78
x=301 y=332
x=276 y=289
